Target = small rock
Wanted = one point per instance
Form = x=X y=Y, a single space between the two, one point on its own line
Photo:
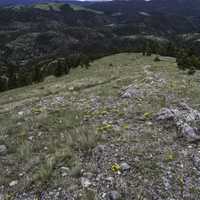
x=60 y=99
x=114 y=195
x=149 y=123
x=65 y=169
x=131 y=92
x=88 y=175
x=40 y=134
x=30 y=138
x=125 y=167
x=85 y=182
x=13 y=183
x=64 y=174
x=126 y=95
x=3 y=150
x=21 y=174
x=71 y=88
x=20 y=113
x=45 y=148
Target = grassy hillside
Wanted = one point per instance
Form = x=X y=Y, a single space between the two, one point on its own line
x=48 y=6
x=82 y=8
x=58 y=6
x=66 y=137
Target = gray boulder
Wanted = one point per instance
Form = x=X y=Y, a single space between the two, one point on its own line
x=192 y=134
x=185 y=118
x=125 y=167
x=166 y=114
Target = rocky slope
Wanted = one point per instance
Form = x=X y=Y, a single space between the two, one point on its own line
x=126 y=128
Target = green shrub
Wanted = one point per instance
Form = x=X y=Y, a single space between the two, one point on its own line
x=191 y=71
x=157 y=59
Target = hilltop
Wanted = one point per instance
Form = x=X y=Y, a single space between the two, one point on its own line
x=112 y=131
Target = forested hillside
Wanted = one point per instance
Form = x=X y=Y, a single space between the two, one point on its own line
x=42 y=39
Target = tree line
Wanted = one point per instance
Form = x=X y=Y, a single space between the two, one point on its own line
x=12 y=76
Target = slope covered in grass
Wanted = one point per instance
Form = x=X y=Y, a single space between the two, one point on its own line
x=92 y=134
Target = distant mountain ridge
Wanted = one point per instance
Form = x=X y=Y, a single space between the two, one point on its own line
x=183 y=7
x=26 y=2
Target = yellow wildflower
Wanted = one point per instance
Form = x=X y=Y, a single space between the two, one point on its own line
x=115 y=167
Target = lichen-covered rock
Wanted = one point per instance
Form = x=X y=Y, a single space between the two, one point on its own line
x=184 y=118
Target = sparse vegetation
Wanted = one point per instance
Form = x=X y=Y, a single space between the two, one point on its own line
x=157 y=59
x=56 y=144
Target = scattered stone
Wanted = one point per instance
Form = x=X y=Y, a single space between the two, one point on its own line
x=39 y=134
x=88 y=175
x=65 y=169
x=114 y=195
x=85 y=182
x=184 y=119
x=13 y=183
x=45 y=148
x=126 y=95
x=20 y=113
x=125 y=167
x=130 y=92
x=3 y=150
x=149 y=123
x=71 y=88
x=59 y=99
x=30 y=138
